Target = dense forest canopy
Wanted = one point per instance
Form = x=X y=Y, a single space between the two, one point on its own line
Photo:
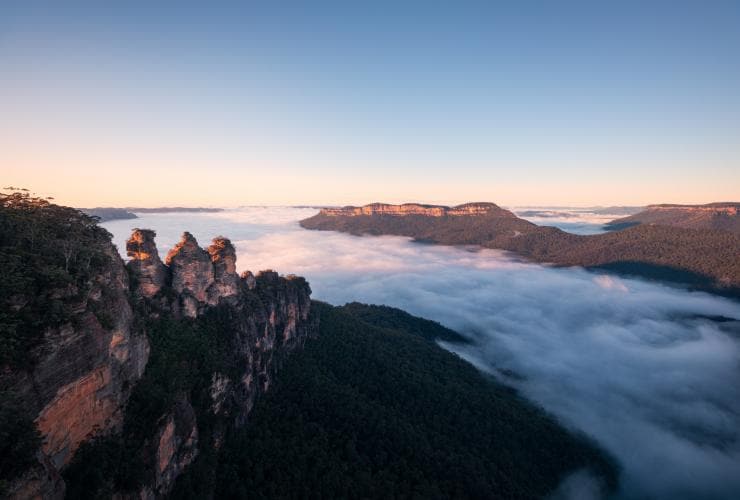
x=383 y=412
x=364 y=411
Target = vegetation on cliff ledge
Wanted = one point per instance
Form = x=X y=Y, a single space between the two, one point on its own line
x=48 y=253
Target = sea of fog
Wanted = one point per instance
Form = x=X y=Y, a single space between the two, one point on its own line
x=574 y=220
x=647 y=370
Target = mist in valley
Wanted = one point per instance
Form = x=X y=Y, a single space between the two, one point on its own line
x=649 y=371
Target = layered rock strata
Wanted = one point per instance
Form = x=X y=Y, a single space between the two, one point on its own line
x=82 y=375
x=417 y=209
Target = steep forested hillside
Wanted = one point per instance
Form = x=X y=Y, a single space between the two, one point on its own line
x=382 y=412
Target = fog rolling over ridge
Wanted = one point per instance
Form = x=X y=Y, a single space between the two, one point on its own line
x=578 y=221
x=645 y=369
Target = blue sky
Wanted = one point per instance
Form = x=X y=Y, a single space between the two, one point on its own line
x=341 y=102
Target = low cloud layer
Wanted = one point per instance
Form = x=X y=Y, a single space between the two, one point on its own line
x=644 y=369
x=578 y=221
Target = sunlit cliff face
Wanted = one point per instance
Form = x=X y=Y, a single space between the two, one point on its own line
x=415 y=209
x=641 y=367
x=727 y=209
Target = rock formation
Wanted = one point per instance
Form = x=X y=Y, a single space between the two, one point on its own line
x=226 y=280
x=268 y=318
x=145 y=263
x=86 y=368
x=192 y=273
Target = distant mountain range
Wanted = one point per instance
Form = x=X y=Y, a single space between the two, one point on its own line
x=112 y=213
x=721 y=216
x=705 y=259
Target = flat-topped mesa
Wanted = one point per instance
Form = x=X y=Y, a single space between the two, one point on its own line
x=145 y=264
x=466 y=209
x=480 y=208
x=726 y=208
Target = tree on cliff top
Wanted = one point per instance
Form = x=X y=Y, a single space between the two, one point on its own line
x=48 y=254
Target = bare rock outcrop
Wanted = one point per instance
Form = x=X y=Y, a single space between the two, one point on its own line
x=191 y=268
x=199 y=277
x=145 y=264
x=226 y=279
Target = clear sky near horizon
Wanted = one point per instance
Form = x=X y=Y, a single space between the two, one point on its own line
x=230 y=103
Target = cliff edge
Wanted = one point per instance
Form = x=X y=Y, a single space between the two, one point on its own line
x=83 y=344
x=476 y=208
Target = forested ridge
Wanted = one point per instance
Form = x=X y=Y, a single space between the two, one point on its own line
x=705 y=259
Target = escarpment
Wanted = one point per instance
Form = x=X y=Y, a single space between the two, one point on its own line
x=479 y=208
x=71 y=348
x=141 y=367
